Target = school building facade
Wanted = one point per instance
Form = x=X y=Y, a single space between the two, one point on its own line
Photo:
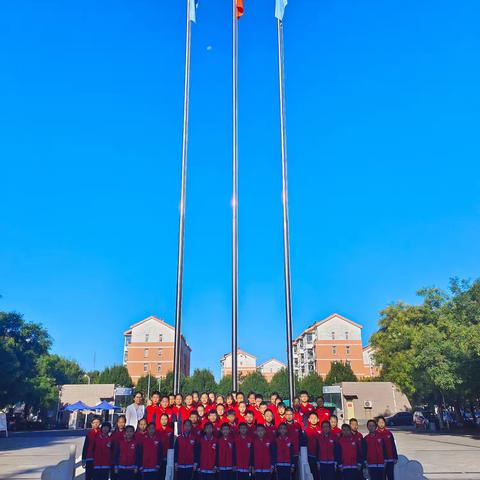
x=148 y=348
x=333 y=339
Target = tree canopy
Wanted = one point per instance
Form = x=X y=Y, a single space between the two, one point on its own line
x=312 y=383
x=340 y=372
x=254 y=382
x=117 y=374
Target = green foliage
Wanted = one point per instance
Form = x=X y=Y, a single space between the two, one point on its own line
x=432 y=350
x=312 y=383
x=340 y=372
x=279 y=383
x=255 y=382
x=225 y=385
x=201 y=380
x=117 y=374
x=94 y=376
x=142 y=385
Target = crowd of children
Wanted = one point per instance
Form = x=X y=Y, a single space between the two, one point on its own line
x=235 y=438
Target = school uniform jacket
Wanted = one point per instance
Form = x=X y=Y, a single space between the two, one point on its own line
x=326 y=448
x=295 y=434
x=390 y=446
x=186 y=450
x=207 y=454
x=284 y=452
x=102 y=451
x=87 y=452
x=270 y=431
x=151 y=453
x=347 y=453
x=179 y=414
x=311 y=436
x=225 y=459
x=304 y=411
x=140 y=436
x=264 y=454
x=323 y=414
x=373 y=450
x=165 y=435
x=126 y=454
x=243 y=453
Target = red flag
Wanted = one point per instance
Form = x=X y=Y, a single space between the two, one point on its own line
x=239 y=4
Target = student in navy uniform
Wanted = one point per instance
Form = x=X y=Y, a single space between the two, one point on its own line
x=87 y=452
x=225 y=453
x=186 y=446
x=102 y=453
x=374 y=452
x=348 y=455
x=263 y=458
x=126 y=455
x=284 y=462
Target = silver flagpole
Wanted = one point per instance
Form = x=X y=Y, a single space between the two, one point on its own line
x=286 y=233
x=234 y=196
x=181 y=228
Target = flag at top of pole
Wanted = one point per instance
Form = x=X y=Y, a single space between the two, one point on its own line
x=193 y=4
x=280 y=8
x=239 y=4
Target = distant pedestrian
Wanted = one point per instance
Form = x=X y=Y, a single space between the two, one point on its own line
x=136 y=411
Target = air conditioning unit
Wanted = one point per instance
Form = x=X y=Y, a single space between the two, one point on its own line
x=368 y=404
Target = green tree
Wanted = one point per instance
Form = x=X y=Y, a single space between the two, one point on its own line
x=202 y=380
x=312 y=383
x=340 y=372
x=117 y=374
x=255 y=382
x=279 y=383
x=225 y=385
x=142 y=385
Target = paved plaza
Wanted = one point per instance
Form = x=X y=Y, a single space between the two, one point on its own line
x=444 y=457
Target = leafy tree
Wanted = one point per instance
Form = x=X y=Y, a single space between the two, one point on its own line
x=142 y=385
x=279 y=383
x=94 y=376
x=117 y=374
x=255 y=382
x=312 y=383
x=201 y=380
x=340 y=372
x=225 y=385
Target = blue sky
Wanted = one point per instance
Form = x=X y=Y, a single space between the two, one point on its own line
x=383 y=111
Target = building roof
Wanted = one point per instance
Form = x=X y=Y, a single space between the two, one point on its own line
x=325 y=320
x=272 y=360
x=238 y=351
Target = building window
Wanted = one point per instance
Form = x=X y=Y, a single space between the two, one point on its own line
x=147 y=338
x=333 y=335
x=295 y=362
x=310 y=367
x=125 y=357
x=302 y=357
x=347 y=350
x=129 y=339
x=309 y=338
x=334 y=350
x=346 y=335
x=160 y=337
x=145 y=367
x=159 y=367
x=160 y=352
x=310 y=353
x=303 y=370
x=145 y=352
x=347 y=362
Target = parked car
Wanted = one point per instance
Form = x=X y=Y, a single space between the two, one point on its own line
x=399 y=419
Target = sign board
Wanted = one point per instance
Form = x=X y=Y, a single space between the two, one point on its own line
x=3 y=423
x=122 y=391
x=332 y=389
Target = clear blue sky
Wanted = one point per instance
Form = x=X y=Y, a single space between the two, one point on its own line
x=383 y=109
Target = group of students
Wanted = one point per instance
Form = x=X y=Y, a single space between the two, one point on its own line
x=237 y=437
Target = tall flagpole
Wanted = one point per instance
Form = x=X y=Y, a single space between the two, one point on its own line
x=286 y=232
x=181 y=227
x=234 y=195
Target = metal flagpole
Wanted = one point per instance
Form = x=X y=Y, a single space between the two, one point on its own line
x=234 y=196
x=181 y=228
x=286 y=233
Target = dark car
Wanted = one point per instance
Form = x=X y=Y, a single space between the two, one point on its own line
x=399 y=419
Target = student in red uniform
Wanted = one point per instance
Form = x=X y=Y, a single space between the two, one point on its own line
x=269 y=424
x=141 y=431
x=116 y=436
x=334 y=428
x=295 y=433
x=239 y=397
x=284 y=461
x=202 y=416
x=219 y=400
x=232 y=421
x=260 y=415
x=322 y=411
x=326 y=453
x=358 y=438
x=348 y=454
x=207 y=453
x=166 y=437
x=87 y=452
x=221 y=415
x=251 y=401
x=225 y=454
x=196 y=424
x=273 y=402
x=211 y=398
x=312 y=433
x=179 y=413
x=153 y=410
x=243 y=452
x=241 y=411
x=126 y=455
x=230 y=403
x=250 y=422
x=374 y=452
x=152 y=455
x=102 y=453
x=305 y=407
x=171 y=400
x=263 y=457
x=212 y=418
x=280 y=414
x=205 y=402
x=189 y=404
x=165 y=407
x=390 y=446
x=186 y=445
x=195 y=398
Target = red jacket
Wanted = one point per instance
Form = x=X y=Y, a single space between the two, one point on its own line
x=207 y=454
x=179 y=414
x=87 y=452
x=102 y=451
x=284 y=452
x=304 y=411
x=358 y=437
x=186 y=449
x=373 y=450
x=117 y=435
x=251 y=427
x=140 y=436
x=270 y=431
x=225 y=453
x=243 y=453
x=165 y=435
x=153 y=414
x=390 y=446
x=312 y=433
x=152 y=453
x=323 y=414
x=126 y=454
x=348 y=453
x=326 y=448
x=336 y=432
x=295 y=435
x=263 y=454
